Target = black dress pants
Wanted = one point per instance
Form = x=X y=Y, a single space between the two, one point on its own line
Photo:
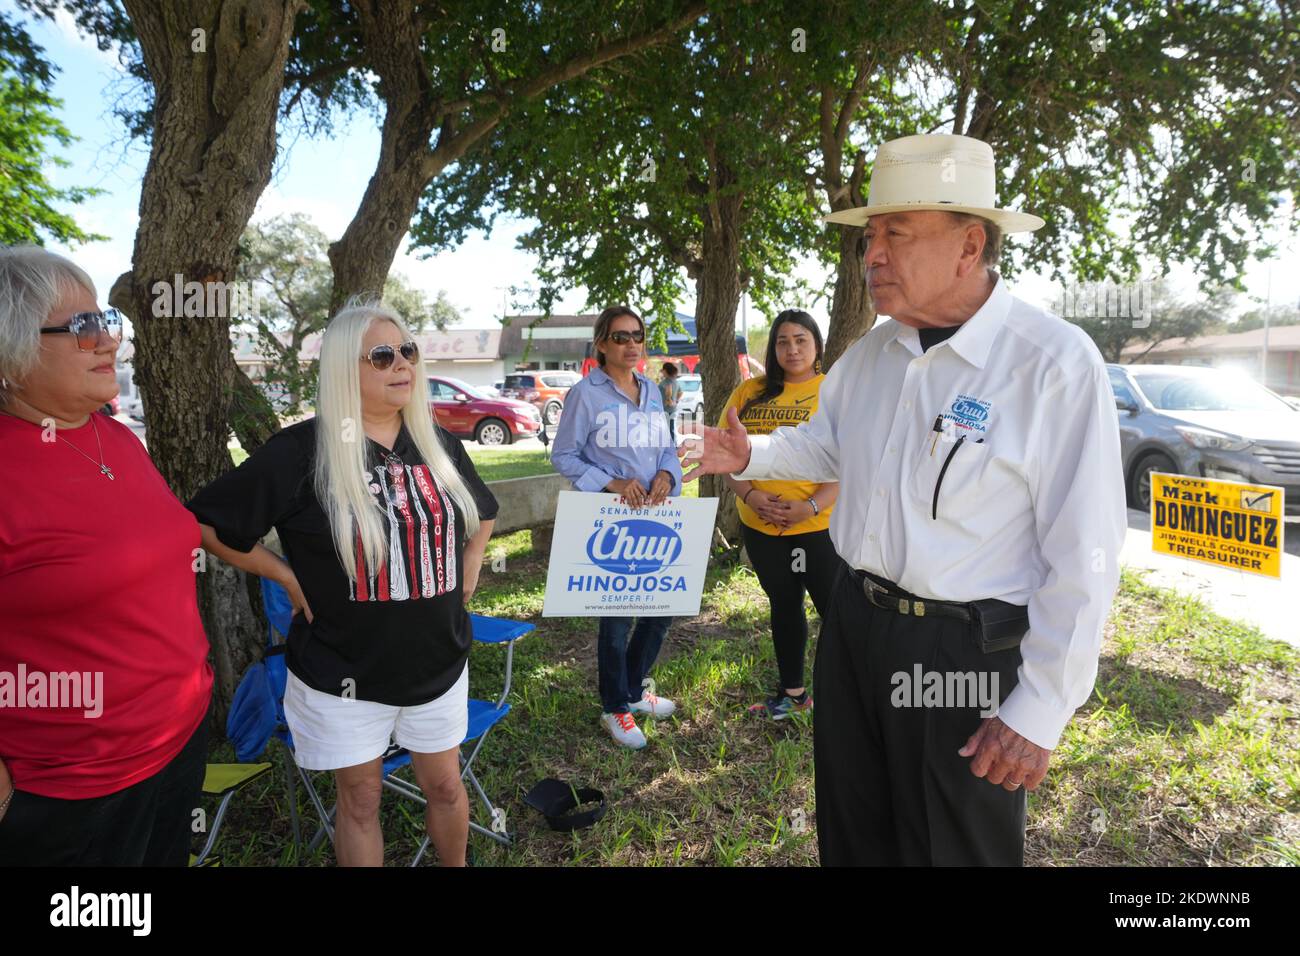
x=145 y=824
x=891 y=788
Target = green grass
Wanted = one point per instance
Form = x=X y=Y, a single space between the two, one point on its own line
x=498 y=464
x=1185 y=755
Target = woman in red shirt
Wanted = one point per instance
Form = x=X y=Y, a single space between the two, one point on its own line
x=104 y=680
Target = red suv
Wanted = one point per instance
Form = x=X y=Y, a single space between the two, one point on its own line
x=546 y=390
x=468 y=413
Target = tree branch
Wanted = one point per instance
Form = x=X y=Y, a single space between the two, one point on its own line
x=527 y=87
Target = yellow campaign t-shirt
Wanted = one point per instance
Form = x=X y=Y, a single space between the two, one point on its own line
x=794 y=405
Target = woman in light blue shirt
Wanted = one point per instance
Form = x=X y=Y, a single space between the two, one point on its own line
x=613 y=437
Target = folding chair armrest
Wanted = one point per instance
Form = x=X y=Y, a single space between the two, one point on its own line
x=496 y=630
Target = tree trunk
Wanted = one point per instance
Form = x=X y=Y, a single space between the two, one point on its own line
x=212 y=148
x=851 y=312
x=251 y=415
x=717 y=296
x=391 y=32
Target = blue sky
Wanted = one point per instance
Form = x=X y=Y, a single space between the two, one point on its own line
x=325 y=179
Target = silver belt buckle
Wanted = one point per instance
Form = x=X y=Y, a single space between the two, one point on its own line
x=902 y=606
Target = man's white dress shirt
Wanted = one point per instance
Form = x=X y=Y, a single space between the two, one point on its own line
x=1031 y=508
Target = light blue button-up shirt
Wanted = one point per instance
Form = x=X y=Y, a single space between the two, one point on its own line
x=604 y=435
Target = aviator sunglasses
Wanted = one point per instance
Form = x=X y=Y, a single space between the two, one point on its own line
x=382 y=356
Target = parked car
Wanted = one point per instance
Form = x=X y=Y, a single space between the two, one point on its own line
x=691 y=405
x=546 y=390
x=467 y=413
x=1206 y=422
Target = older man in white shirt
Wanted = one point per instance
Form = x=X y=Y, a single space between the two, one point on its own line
x=981 y=515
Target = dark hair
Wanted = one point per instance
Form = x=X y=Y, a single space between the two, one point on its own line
x=670 y=368
x=774 y=378
x=604 y=321
x=992 y=237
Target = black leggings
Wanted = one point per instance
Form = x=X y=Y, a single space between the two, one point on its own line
x=786 y=565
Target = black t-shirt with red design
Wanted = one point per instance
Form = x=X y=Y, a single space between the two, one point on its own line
x=401 y=635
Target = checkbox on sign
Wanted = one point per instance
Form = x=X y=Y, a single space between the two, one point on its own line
x=1257 y=502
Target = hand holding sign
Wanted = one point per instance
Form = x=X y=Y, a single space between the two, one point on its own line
x=660 y=487
x=631 y=491
x=716 y=451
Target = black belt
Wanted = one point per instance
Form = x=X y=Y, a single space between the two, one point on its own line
x=888 y=596
x=995 y=625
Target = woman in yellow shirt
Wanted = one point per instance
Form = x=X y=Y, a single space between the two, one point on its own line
x=786 y=522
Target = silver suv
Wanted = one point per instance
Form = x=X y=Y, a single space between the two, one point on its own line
x=1206 y=422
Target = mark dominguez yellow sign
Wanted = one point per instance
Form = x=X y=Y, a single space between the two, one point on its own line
x=1227 y=523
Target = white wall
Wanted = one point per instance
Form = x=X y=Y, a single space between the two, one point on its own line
x=475 y=373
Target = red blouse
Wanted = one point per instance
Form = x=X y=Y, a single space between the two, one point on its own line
x=103 y=660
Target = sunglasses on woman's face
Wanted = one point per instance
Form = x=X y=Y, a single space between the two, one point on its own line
x=622 y=338
x=87 y=326
x=382 y=356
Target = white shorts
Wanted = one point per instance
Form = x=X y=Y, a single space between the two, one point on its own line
x=332 y=732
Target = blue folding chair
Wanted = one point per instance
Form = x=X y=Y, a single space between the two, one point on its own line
x=256 y=722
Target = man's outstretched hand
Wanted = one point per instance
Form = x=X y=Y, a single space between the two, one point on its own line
x=715 y=451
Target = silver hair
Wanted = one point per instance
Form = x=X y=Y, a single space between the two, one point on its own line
x=992 y=238
x=33 y=283
x=342 y=475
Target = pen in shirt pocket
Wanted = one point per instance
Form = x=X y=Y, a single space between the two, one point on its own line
x=934 y=507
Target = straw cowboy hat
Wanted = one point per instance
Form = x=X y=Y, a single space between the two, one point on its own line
x=941 y=172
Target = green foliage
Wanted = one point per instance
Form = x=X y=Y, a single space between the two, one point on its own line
x=1278 y=315
x=287 y=260
x=1141 y=130
x=1169 y=316
x=28 y=200
x=626 y=168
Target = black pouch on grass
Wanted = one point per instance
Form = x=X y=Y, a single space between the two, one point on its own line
x=554 y=799
x=998 y=625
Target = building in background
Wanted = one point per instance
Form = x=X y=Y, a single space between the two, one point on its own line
x=471 y=355
x=564 y=342
x=1240 y=351
x=559 y=342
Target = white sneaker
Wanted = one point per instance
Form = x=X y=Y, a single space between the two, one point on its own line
x=623 y=728
x=656 y=707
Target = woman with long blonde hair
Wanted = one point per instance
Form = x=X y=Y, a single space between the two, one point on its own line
x=384 y=522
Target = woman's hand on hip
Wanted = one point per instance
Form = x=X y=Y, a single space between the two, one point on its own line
x=289 y=581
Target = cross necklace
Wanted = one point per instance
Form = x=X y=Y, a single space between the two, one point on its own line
x=104 y=470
